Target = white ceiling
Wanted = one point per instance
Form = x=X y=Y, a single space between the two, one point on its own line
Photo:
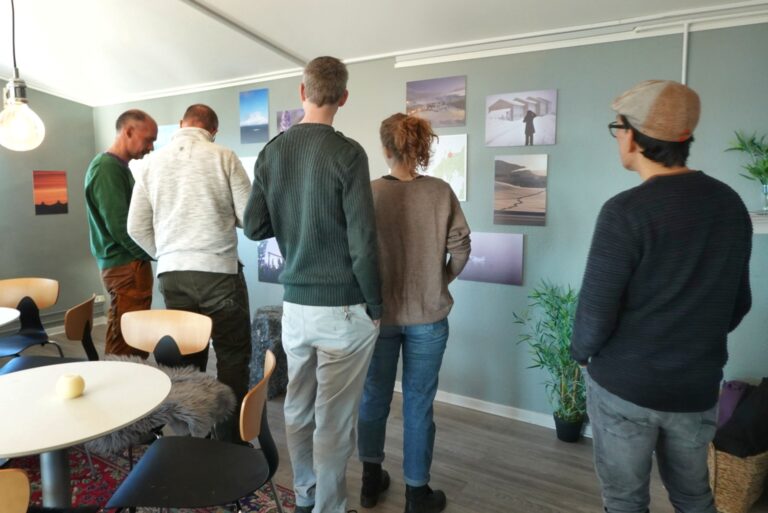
x=107 y=51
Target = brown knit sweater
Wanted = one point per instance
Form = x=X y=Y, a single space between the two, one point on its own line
x=418 y=224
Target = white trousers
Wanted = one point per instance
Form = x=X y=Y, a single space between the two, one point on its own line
x=328 y=351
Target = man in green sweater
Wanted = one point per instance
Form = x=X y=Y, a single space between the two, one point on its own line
x=125 y=268
x=312 y=192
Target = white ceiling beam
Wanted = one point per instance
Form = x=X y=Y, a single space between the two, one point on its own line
x=232 y=24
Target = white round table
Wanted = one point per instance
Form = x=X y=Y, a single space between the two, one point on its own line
x=36 y=420
x=8 y=315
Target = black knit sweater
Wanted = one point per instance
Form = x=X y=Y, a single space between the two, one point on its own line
x=667 y=278
x=312 y=191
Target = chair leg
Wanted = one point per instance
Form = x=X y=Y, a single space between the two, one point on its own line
x=277 y=496
x=90 y=463
x=61 y=353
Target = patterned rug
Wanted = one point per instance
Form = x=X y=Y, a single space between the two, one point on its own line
x=96 y=490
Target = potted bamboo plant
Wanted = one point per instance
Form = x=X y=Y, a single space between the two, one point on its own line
x=548 y=326
x=757 y=167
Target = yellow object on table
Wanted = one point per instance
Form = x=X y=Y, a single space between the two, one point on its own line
x=70 y=386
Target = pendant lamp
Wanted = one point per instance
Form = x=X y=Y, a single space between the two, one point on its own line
x=20 y=128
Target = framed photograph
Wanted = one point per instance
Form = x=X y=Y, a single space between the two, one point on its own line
x=449 y=163
x=441 y=101
x=271 y=261
x=254 y=116
x=287 y=118
x=520 y=190
x=50 y=192
x=495 y=258
x=249 y=163
x=527 y=118
x=164 y=134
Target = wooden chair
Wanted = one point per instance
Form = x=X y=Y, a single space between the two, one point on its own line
x=77 y=326
x=146 y=329
x=15 y=493
x=186 y=472
x=175 y=338
x=29 y=296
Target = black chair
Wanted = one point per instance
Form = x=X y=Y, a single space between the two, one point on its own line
x=28 y=296
x=77 y=326
x=186 y=472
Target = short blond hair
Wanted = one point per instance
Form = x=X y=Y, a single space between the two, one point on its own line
x=325 y=80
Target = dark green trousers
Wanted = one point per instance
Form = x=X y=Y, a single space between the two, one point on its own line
x=223 y=298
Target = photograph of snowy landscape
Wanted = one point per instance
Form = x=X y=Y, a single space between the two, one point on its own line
x=449 y=163
x=271 y=261
x=528 y=118
x=441 y=101
x=520 y=190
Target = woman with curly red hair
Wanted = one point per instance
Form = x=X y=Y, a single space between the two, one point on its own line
x=423 y=241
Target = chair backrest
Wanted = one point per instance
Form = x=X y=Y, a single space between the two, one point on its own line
x=254 y=401
x=143 y=329
x=253 y=416
x=78 y=322
x=14 y=491
x=167 y=353
x=43 y=291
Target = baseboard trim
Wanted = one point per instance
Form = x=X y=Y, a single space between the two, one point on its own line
x=501 y=410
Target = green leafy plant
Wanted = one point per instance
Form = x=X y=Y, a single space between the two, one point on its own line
x=757 y=150
x=548 y=323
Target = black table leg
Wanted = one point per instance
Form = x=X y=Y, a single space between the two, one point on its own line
x=54 y=476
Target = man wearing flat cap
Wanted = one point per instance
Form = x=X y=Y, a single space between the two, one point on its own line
x=667 y=279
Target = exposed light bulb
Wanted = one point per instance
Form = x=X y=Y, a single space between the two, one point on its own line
x=20 y=128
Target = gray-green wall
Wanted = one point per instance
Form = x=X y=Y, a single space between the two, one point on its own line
x=483 y=361
x=51 y=246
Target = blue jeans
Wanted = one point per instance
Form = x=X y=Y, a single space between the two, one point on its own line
x=423 y=346
x=625 y=436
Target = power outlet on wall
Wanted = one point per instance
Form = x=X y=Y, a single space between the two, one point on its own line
x=99 y=298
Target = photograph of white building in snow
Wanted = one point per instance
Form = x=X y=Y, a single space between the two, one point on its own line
x=526 y=118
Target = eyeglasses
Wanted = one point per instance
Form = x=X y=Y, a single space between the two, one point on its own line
x=613 y=126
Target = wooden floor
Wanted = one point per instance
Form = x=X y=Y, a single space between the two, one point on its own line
x=484 y=463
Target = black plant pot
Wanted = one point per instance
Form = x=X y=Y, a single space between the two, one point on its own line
x=568 y=431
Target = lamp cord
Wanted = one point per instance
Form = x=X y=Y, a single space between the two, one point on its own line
x=13 y=40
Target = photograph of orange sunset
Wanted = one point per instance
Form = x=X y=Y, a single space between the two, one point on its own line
x=50 y=188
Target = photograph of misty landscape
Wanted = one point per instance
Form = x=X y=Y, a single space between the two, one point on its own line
x=495 y=258
x=441 y=101
x=520 y=190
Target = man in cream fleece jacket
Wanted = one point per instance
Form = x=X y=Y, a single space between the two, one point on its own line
x=188 y=198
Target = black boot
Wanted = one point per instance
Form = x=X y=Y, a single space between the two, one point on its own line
x=423 y=499
x=375 y=481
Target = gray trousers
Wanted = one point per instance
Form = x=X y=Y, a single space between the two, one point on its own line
x=328 y=351
x=224 y=298
x=625 y=437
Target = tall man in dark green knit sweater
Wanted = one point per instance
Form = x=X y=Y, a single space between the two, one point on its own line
x=312 y=192
x=125 y=268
